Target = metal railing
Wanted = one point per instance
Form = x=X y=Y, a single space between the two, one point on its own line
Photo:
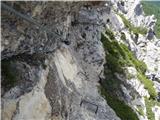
x=49 y=34
x=28 y=19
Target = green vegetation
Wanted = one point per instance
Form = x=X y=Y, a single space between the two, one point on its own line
x=152 y=7
x=140 y=110
x=148 y=84
x=9 y=75
x=118 y=57
x=131 y=27
x=115 y=54
x=122 y=110
x=140 y=65
x=149 y=104
x=110 y=34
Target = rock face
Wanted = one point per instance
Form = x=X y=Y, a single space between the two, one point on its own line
x=52 y=72
x=61 y=79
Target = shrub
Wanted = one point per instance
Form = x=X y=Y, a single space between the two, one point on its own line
x=122 y=110
x=135 y=30
x=148 y=84
x=110 y=34
x=116 y=59
x=149 y=104
x=140 y=110
x=115 y=55
x=140 y=66
x=118 y=56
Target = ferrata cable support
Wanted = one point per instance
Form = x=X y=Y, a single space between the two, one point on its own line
x=29 y=19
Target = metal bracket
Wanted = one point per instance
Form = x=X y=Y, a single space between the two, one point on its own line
x=89 y=103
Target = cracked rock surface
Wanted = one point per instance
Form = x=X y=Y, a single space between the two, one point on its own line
x=54 y=76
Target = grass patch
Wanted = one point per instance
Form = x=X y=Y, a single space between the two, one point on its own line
x=118 y=57
x=122 y=110
x=148 y=84
x=140 y=111
x=133 y=61
x=111 y=82
x=149 y=104
x=110 y=34
x=115 y=55
x=131 y=27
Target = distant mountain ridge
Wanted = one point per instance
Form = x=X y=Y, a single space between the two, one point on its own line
x=153 y=7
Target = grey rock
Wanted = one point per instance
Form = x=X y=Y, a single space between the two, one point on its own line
x=55 y=76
